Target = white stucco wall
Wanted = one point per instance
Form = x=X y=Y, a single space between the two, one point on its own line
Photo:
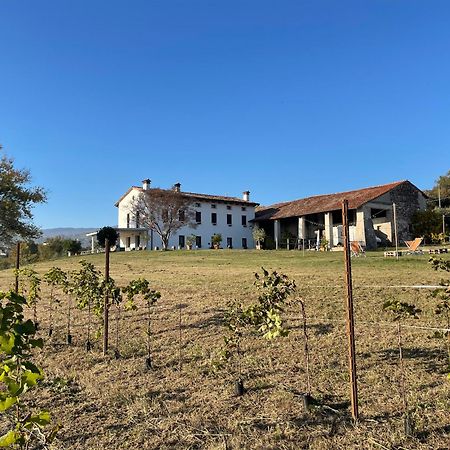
x=205 y=229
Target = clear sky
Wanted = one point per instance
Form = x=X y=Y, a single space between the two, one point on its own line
x=284 y=98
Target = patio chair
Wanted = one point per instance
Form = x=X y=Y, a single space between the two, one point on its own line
x=413 y=246
x=356 y=249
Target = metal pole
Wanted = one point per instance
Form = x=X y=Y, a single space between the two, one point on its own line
x=443 y=226
x=439 y=196
x=16 y=287
x=394 y=206
x=350 y=315
x=106 y=306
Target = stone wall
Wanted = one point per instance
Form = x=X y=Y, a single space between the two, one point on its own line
x=408 y=200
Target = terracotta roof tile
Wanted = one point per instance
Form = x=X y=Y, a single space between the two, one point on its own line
x=196 y=196
x=323 y=203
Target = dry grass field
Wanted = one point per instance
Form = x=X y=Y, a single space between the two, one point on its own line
x=109 y=403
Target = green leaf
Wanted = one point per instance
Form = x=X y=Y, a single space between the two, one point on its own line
x=7 y=341
x=9 y=438
x=25 y=328
x=37 y=343
x=7 y=402
x=41 y=419
x=31 y=367
x=30 y=379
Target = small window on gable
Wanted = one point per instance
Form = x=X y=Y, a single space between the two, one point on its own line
x=228 y=207
x=197 y=205
x=243 y=208
x=213 y=206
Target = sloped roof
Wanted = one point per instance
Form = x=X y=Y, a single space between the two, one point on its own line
x=323 y=203
x=195 y=196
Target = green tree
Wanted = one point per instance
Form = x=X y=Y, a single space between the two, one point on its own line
x=259 y=236
x=442 y=184
x=72 y=245
x=107 y=233
x=16 y=201
x=425 y=223
x=52 y=248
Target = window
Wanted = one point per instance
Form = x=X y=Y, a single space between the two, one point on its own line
x=137 y=220
x=244 y=243
x=228 y=207
x=128 y=221
x=243 y=208
x=128 y=242
x=181 y=215
x=380 y=213
x=197 y=205
x=214 y=218
x=138 y=241
x=229 y=219
x=244 y=221
x=198 y=216
x=181 y=241
x=198 y=241
x=229 y=242
x=213 y=206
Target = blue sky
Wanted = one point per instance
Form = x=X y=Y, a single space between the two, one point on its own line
x=284 y=98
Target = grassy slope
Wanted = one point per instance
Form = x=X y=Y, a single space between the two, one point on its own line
x=108 y=403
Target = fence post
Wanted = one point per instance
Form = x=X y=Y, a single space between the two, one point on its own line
x=106 y=306
x=16 y=286
x=350 y=315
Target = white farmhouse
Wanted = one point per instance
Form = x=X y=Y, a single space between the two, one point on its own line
x=215 y=214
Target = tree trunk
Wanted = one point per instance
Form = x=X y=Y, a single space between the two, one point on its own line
x=165 y=242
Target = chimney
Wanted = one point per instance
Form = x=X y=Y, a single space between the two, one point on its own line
x=177 y=187
x=246 y=196
x=146 y=184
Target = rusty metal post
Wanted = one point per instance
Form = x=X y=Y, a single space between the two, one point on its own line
x=350 y=315
x=106 y=306
x=16 y=287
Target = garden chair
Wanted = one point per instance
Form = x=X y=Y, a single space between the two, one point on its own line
x=413 y=246
x=357 y=249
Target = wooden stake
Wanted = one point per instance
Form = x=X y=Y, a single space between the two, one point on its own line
x=350 y=315
x=106 y=306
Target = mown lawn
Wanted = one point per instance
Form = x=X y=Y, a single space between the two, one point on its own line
x=120 y=404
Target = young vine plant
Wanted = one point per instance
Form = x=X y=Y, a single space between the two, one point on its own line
x=141 y=288
x=19 y=375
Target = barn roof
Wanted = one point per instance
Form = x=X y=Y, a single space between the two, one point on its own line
x=323 y=203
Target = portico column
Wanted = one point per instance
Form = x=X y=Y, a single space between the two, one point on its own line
x=92 y=244
x=301 y=231
x=277 y=233
x=329 y=228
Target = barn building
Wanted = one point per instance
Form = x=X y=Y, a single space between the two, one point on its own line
x=314 y=219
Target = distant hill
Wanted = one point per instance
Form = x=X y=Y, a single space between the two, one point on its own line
x=72 y=233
